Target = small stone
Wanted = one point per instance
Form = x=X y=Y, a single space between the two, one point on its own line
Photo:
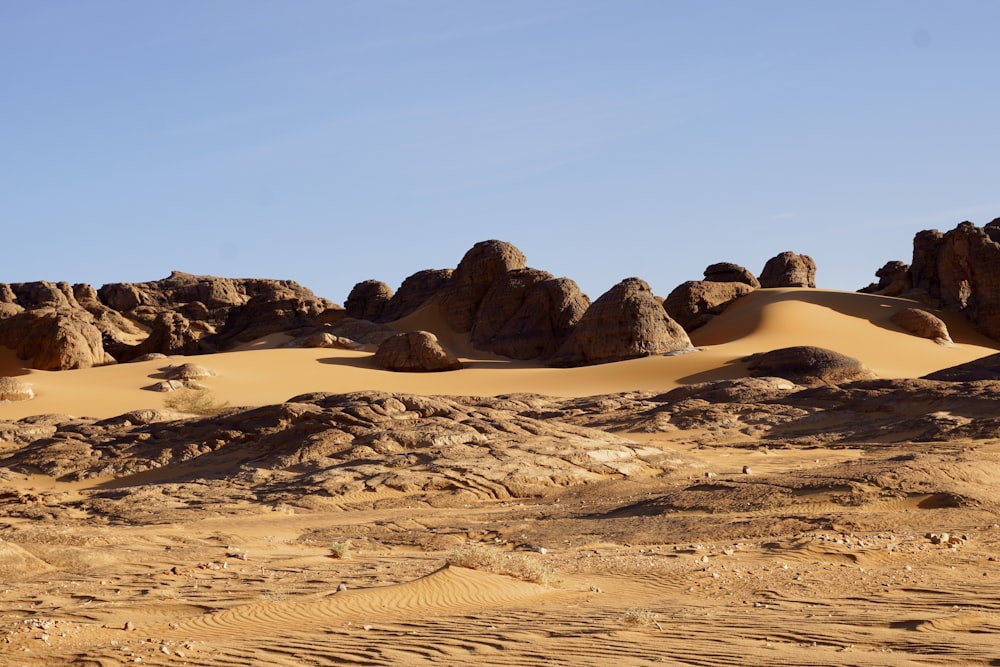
x=129 y=626
x=595 y=589
x=341 y=587
x=746 y=470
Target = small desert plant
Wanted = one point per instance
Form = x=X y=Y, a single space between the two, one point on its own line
x=638 y=616
x=491 y=559
x=340 y=550
x=195 y=402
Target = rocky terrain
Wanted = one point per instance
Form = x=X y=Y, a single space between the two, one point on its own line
x=775 y=502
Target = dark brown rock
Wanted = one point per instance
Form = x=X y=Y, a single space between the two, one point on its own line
x=626 y=322
x=481 y=265
x=171 y=333
x=367 y=300
x=415 y=352
x=807 y=365
x=922 y=323
x=977 y=370
x=415 y=291
x=54 y=340
x=727 y=272
x=694 y=303
x=894 y=279
x=789 y=270
x=527 y=314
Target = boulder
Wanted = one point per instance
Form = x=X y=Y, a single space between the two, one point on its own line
x=473 y=277
x=171 y=333
x=367 y=300
x=789 y=270
x=727 y=272
x=415 y=352
x=807 y=365
x=694 y=303
x=415 y=291
x=277 y=311
x=527 y=314
x=894 y=279
x=922 y=323
x=626 y=322
x=53 y=340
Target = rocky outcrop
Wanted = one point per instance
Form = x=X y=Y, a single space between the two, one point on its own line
x=727 y=272
x=53 y=339
x=922 y=323
x=482 y=264
x=626 y=322
x=789 y=270
x=527 y=314
x=415 y=352
x=278 y=311
x=807 y=365
x=694 y=303
x=415 y=291
x=893 y=280
x=977 y=370
x=367 y=300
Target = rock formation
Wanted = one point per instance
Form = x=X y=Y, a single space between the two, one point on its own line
x=694 y=303
x=626 y=322
x=789 y=270
x=481 y=265
x=727 y=272
x=527 y=314
x=977 y=370
x=922 y=323
x=415 y=352
x=367 y=300
x=15 y=389
x=807 y=365
x=894 y=279
x=415 y=291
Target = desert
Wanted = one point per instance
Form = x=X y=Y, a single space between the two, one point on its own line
x=485 y=466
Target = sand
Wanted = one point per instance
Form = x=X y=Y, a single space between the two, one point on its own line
x=811 y=580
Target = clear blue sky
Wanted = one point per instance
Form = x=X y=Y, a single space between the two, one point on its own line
x=331 y=141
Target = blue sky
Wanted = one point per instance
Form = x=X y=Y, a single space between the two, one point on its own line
x=333 y=141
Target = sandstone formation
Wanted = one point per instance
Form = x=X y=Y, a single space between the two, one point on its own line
x=986 y=368
x=626 y=322
x=922 y=323
x=415 y=291
x=727 y=272
x=415 y=352
x=807 y=365
x=789 y=270
x=53 y=339
x=367 y=300
x=527 y=314
x=894 y=279
x=473 y=277
x=694 y=303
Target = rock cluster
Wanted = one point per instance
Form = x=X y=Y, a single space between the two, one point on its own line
x=956 y=271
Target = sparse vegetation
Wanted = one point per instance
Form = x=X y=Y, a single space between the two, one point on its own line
x=340 y=550
x=194 y=401
x=639 y=617
x=491 y=559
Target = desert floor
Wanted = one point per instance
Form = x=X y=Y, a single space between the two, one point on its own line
x=821 y=553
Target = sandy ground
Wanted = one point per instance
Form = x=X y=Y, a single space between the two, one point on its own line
x=841 y=571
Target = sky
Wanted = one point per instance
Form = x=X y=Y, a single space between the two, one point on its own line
x=334 y=141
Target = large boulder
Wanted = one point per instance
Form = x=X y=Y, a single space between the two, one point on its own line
x=789 y=270
x=694 y=303
x=473 y=277
x=367 y=300
x=626 y=322
x=807 y=365
x=527 y=314
x=922 y=323
x=53 y=340
x=415 y=352
x=15 y=389
x=960 y=270
x=278 y=311
x=415 y=291
x=727 y=272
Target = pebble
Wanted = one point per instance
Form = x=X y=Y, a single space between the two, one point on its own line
x=341 y=587
x=746 y=470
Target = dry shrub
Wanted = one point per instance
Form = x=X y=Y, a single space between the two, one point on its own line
x=194 y=401
x=491 y=559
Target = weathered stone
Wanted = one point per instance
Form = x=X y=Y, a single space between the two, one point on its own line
x=367 y=300
x=727 y=272
x=984 y=368
x=624 y=323
x=15 y=389
x=807 y=365
x=789 y=270
x=922 y=323
x=481 y=265
x=894 y=279
x=52 y=340
x=694 y=303
x=415 y=351
x=415 y=291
